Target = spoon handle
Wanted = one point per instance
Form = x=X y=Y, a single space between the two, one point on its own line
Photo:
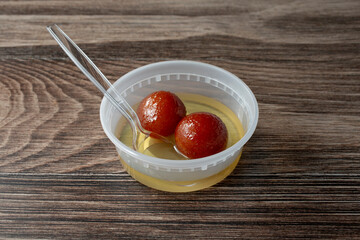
x=84 y=63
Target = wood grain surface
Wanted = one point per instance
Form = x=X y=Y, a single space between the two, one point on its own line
x=299 y=176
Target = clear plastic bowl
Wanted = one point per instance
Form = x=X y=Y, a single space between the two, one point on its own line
x=190 y=77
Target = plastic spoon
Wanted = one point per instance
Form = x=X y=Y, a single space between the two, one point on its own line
x=83 y=62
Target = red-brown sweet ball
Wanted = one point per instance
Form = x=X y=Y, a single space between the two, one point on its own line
x=160 y=112
x=201 y=134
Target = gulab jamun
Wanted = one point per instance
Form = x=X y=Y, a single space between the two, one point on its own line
x=160 y=112
x=201 y=134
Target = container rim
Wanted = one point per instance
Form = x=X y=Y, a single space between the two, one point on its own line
x=191 y=163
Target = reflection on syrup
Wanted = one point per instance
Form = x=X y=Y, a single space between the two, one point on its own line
x=157 y=148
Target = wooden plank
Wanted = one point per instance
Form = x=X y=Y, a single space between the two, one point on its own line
x=113 y=206
x=297 y=22
x=307 y=121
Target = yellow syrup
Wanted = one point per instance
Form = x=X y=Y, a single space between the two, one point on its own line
x=193 y=103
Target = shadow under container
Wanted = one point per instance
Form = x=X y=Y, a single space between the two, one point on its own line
x=188 y=77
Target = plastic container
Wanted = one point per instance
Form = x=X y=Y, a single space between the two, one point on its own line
x=190 y=77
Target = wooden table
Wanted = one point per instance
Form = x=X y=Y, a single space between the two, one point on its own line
x=299 y=175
